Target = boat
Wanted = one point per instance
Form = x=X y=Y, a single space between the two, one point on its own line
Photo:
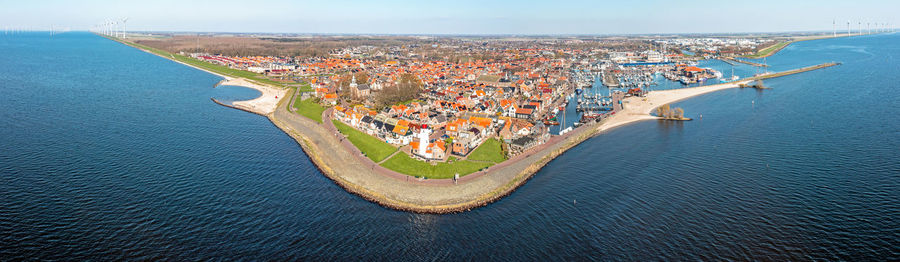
x=551 y=121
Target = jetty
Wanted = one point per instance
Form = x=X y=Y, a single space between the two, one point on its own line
x=732 y=59
x=794 y=71
x=730 y=62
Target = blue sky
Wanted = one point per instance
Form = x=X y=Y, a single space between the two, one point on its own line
x=452 y=17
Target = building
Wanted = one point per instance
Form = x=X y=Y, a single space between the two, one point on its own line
x=655 y=57
x=359 y=91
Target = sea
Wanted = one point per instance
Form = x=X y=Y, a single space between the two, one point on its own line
x=111 y=153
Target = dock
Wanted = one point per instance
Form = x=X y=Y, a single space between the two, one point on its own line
x=610 y=80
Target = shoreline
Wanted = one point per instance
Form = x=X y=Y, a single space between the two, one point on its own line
x=808 y=38
x=439 y=196
x=262 y=105
x=503 y=180
x=337 y=175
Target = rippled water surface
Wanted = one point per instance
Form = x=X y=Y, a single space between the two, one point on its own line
x=107 y=152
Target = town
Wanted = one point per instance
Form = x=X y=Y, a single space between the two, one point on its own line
x=439 y=99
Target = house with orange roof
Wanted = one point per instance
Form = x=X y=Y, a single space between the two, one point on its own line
x=483 y=122
x=330 y=98
x=524 y=113
x=457 y=125
x=320 y=92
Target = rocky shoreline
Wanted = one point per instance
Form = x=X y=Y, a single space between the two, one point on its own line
x=382 y=186
x=523 y=173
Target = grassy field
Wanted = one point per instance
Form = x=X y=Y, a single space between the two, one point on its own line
x=224 y=70
x=769 y=50
x=374 y=149
x=490 y=150
x=405 y=164
x=309 y=108
x=306 y=88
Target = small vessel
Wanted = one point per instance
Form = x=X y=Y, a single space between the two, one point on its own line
x=551 y=121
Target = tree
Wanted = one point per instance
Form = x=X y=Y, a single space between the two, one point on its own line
x=663 y=111
x=362 y=77
x=679 y=113
x=407 y=88
x=343 y=84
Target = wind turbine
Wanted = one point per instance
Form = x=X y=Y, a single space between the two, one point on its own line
x=124 y=28
x=834 y=27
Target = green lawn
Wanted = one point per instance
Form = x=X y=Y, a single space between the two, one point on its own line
x=309 y=108
x=306 y=88
x=405 y=164
x=490 y=150
x=374 y=149
x=768 y=50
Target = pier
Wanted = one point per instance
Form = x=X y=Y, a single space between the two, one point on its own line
x=610 y=80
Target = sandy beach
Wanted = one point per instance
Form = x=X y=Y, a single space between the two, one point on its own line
x=264 y=104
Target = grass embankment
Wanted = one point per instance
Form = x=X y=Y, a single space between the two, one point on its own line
x=488 y=154
x=491 y=150
x=306 y=88
x=373 y=148
x=768 y=51
x=378 y=150
x=405 y=164
x=309 y=108
x=220 y=69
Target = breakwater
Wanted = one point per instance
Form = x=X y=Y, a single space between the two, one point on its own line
x=732 y=60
